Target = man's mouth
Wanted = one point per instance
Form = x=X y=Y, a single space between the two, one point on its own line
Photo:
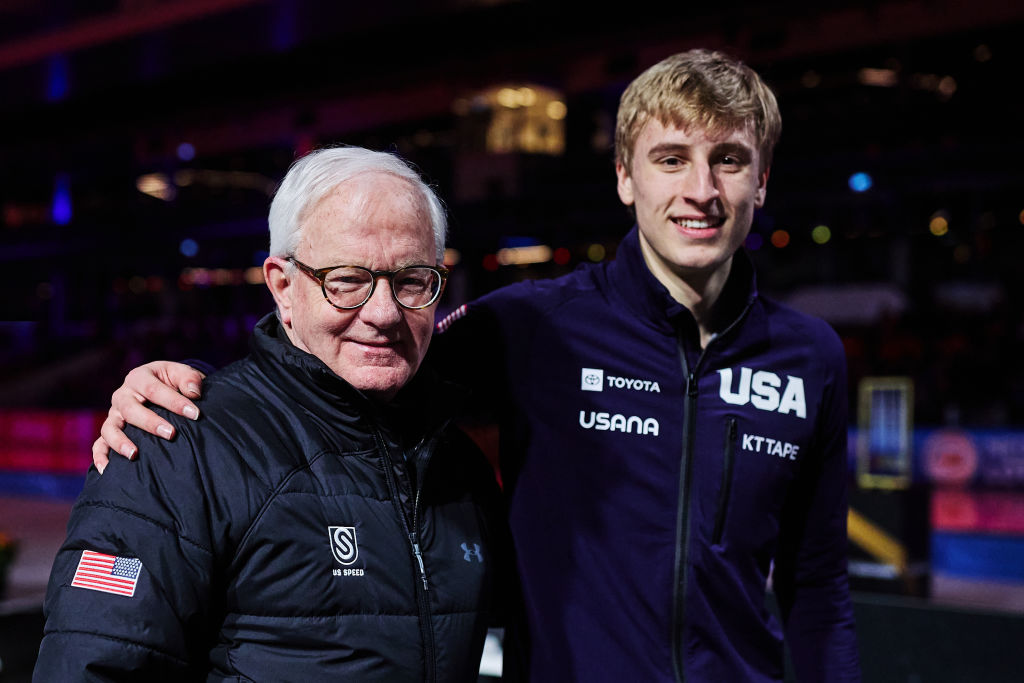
x=699 y=223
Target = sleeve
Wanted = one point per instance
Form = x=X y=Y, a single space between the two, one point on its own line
x=469 y=348
x=810 y=574
x=200 y=365
x=129 y=595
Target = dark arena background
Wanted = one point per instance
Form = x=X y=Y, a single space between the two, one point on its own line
x=141 y=141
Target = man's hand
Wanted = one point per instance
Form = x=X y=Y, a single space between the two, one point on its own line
x=161 y=382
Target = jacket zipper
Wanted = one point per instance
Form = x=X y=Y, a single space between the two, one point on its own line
x=683 y=519
x=726 y=488
x=680 y=573
x=422 y=597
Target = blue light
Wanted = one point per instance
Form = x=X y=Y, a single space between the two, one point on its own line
x=186 y=151
x=860 y=182
x=754 y=241
x=60 y=209
x=189 y=247
x=58 y=79
x=258 y=257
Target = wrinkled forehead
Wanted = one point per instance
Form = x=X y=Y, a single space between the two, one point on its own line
x=375 y=207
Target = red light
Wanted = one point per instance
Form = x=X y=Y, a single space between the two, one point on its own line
x=490 y=262
x=562 y=256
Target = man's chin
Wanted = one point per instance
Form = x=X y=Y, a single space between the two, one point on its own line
x=380 y=383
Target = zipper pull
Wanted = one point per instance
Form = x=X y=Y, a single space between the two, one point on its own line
x=419 y=558
x=691 y=385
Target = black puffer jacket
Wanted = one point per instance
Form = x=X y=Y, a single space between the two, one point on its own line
x=283 y=537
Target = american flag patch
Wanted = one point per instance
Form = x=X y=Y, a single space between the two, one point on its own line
x=107 y=573
x=447 y=321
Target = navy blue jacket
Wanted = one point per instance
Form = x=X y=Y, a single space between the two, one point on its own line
x=283 y=537
x=654 y=485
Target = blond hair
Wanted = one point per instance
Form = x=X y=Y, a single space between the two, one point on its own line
x=703 y=89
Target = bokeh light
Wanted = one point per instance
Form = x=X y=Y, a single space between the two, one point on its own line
x=821 y=234
x=188 y=247
x=780 y=239
x=860 y=182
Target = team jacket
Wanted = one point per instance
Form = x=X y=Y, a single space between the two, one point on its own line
x=654 y=485
x=282 y=537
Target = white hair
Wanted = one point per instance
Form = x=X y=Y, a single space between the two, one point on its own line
x=315 y=175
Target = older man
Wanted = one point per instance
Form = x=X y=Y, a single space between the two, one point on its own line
x=322 y=521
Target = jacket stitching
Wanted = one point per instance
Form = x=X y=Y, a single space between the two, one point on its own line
x=150 y=520
x=127 y=641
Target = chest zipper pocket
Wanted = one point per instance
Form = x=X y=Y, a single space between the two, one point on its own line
x=728 y=456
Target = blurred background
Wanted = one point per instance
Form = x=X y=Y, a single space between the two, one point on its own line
x=141 y=142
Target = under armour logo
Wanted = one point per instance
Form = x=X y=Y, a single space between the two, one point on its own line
x=472 y=552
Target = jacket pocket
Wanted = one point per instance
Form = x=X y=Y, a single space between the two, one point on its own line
x=729 y=450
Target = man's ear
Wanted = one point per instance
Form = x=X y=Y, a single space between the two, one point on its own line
x=762 y=188
x=625 y=184
x=280 y=282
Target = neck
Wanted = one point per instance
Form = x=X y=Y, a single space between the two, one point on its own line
x=699 y=291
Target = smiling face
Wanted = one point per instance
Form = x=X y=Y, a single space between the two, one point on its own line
x=381 y=222
x=694 y=197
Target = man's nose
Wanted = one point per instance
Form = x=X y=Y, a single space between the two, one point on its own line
x=700 y=185
x=381 y=310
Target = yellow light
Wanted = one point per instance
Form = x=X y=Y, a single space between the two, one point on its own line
x=821 y=234
x=596 y=252
x=527 y=97
x=556 y=110
x=885 y=78
x=938 y=226
x=452 y=256
x=947 y=86
x=518 y=256
x=507 y=97
x=780 y=238
x=254 y=275
x=1020 y=217
x=155 y=185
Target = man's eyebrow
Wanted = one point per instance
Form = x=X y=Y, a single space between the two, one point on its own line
x=736 y=149
x=668 y=148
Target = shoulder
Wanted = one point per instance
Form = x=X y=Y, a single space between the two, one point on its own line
x=528 y=300
x=801 y=329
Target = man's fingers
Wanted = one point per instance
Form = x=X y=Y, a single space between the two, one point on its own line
x=142 y=384
x=111 y=436
x=99 y=454
x=185 y=378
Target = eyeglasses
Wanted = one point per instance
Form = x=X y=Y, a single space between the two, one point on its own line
x=348 y=287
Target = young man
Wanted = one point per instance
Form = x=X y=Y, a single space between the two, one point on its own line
x=322 y=521
x=670 y=439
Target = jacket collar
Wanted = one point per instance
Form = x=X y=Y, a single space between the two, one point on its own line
x=638 y=289
x=424 y=404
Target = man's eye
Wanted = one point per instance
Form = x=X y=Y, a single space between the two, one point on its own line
x=671 y=161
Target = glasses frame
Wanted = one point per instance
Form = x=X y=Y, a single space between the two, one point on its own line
x=320 y=275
